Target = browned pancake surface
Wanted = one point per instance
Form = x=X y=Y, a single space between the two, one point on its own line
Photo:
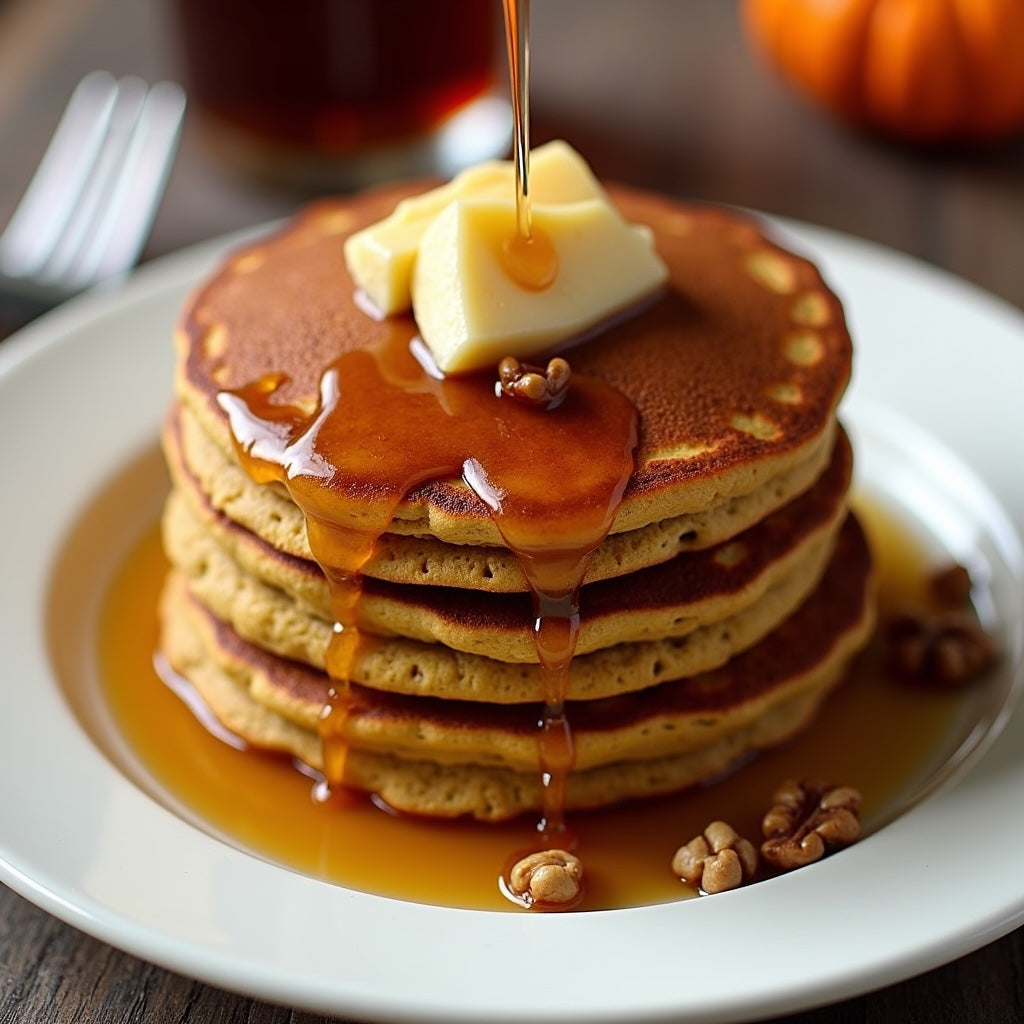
x=837 y=608
x=736 y=372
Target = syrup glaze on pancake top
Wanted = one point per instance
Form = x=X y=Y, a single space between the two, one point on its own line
x=726 y=386
x=202 y=469
x=735 y=374
x=286 y=607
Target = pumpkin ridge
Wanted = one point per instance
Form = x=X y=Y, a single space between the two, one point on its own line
x=927 y=71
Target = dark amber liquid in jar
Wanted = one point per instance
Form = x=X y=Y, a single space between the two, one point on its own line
x=334 y=76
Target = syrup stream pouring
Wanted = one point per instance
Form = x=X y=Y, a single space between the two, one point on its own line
x=529 y=257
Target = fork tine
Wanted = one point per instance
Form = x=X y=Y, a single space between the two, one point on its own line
x=54 y=191
x=62 y=268
x=129 y=214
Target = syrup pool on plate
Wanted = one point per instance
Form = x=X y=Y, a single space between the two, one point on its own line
x=890 y=741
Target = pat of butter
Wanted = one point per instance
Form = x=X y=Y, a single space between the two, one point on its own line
x=381 y=257
x=471 y=312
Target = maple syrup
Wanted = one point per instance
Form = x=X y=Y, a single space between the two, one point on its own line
x=553 y=485
x=528 y=255
x=384 y=425
x=398 y=425
x=889 y=741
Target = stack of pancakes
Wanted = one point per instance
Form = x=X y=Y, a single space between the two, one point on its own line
x=723 y=606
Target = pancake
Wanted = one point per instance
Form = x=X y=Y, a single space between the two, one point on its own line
x=735 y=373
x=269 y=618
x=672 y=599
x=203 y=470
x=417 y=749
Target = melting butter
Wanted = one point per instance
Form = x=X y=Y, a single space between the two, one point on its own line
x=440 y=254
x=380 y=258
x=471 y=311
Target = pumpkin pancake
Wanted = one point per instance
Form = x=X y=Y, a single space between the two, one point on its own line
x=671 y=599
x=269 y=618
x=203 y=470
x=735 y=372
x=456 y=757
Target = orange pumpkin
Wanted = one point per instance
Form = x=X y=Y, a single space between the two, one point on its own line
x=927 y=70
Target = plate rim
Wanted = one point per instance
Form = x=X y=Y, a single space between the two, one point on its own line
x=237 y=969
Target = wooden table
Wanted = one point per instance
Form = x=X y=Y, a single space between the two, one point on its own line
x=659 y=93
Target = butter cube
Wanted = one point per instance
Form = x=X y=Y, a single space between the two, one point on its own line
x=471 y=312
x=380 y=258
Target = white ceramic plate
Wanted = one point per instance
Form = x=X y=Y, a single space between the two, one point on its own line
x=82 y=394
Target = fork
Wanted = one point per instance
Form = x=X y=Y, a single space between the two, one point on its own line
x=87 y=211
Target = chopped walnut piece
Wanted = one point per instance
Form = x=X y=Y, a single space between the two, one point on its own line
x=945 y=646
x=806 y=820
x=534 y=384
x=948 y=649
x=549 y=878
x=718 y=860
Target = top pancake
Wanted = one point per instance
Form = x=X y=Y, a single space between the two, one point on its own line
x=735 y=372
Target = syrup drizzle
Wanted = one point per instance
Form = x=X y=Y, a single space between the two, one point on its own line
x=528 y=255
x=383 y=426
x=517 y=38
x=530 y=259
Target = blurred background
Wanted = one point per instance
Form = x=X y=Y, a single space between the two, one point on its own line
x=671 y=95
x=667 y=94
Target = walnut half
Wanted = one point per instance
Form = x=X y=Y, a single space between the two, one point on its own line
x=544 y=387
x=718 y=860
x=806 y=820
x=550 y=878
x=948 y=649
x=943 y=645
